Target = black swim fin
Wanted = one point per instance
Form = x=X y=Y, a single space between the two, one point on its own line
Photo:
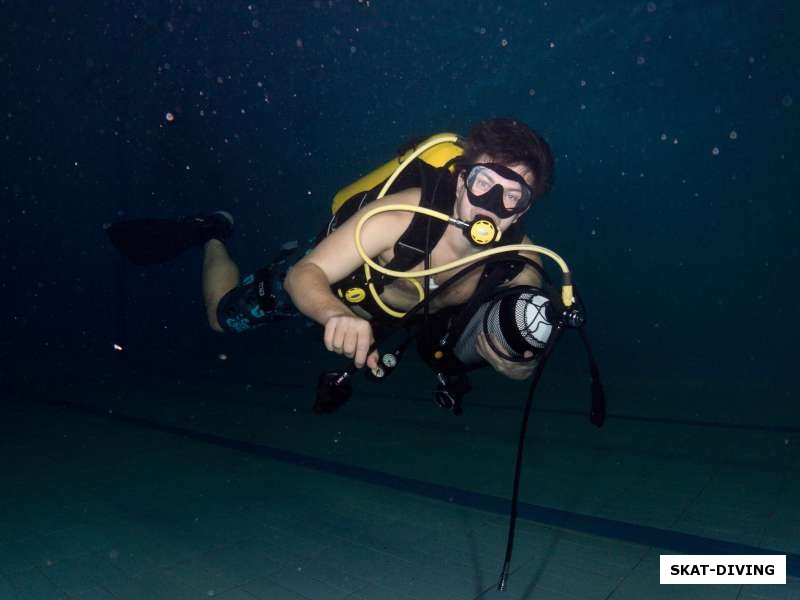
x=156 y=241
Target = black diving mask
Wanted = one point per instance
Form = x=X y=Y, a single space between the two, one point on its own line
x=485 y=192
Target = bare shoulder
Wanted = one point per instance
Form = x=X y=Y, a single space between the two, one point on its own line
x=337 y=254
x=536 y=257
x=529 y=275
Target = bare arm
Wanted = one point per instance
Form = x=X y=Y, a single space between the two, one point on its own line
x=309 y=282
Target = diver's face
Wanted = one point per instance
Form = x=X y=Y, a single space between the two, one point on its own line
x=466 y=211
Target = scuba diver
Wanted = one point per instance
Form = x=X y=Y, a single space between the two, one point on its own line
x=430 y=247
x=486 y=183
x=504 y=167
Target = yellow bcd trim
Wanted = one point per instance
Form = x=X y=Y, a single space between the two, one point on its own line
x=436 y=156
x=355 y=295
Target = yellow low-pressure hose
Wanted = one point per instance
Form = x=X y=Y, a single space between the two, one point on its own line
x=566 y=287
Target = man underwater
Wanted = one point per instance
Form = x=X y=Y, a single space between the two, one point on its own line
x=450 y=212
x=493 y=179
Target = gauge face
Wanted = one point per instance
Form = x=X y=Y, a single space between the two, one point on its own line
x=390 y=360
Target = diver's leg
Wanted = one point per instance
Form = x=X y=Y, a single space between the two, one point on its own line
x=257 y=299
x=220 y=276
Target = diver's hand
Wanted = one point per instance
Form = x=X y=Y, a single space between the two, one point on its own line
x=351 y=336
x=509 y=368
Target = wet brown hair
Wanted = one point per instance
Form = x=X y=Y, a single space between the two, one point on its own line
x=511 y=142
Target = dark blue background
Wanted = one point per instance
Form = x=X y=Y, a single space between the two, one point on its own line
x=687 y=259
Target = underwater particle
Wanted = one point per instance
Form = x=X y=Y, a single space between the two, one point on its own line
x=169 y=117
x=531 y=92
x=640 y=60
x=352 y=49
x=219 y=79
x=482 y=30
x=113 y=555
x=256 y=23
x=651 y=7
x=733 y=135
x=717 y=110
x=663 y=137
x=259 y=84
x=222 y=356
x=117 y=347
x=787 y=101
x=675 y=141
x=583 y=83
x=715 y=151
x=504 y=42
x=552 y=44
x=583 y=107
x=299 y=43
x=751 y=59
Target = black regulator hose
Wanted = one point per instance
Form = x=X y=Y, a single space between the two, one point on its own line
x=571 y=317
x=512 y=525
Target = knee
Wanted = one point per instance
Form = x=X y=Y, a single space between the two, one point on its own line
x=212 y=302
x=213 y=322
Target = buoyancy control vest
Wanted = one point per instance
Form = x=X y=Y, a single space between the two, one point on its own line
x=437 y=187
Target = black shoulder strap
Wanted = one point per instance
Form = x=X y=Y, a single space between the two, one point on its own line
x=438 y=193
